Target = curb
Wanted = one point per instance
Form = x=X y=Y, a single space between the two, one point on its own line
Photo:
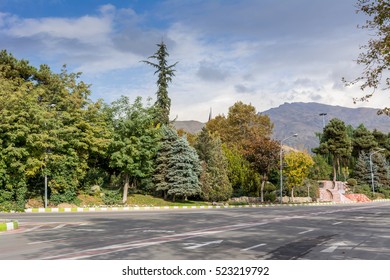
x=9 y=226
x=145 y=208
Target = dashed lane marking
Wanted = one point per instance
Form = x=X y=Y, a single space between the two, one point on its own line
x=306 y=231
x=337 y=223
x=59 y=226
x=253 y=247
x=202 y=244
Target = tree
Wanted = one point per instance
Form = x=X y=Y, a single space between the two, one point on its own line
x=135 y=141
x=177 y=166
x=362 y=140
x=376 y=58
x=263 y=154
x=241 y=123
x=362 y=170
x=321 y=170
x=240 y=173
x=48 y=126
x=297 y=168
x=215 y=181
x=165 y=74
x=336 y=142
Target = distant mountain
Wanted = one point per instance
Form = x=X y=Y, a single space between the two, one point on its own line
x=192 y=127
x=305 y=119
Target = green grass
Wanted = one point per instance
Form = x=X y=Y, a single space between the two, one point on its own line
x=148 y=200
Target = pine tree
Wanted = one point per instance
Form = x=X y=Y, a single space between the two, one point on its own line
x=336 y=142
x=362 y=169
x=184 y=170
x=165 y=74
x=177 y=166
x=362 y=140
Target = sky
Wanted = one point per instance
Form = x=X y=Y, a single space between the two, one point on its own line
x=262 y=52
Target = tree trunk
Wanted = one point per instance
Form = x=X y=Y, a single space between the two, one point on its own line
x=165 y=195
x=262 y=188
x=334 y=172
x=292 y=194
x=126 y=188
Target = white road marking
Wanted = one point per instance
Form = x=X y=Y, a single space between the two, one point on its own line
x=329 y=249
x=203 y=244
x=333 y=247
x=156 y=230
x=337 y=223
x=59 y=226
x=306 y=231
x=85 y=229
x=253 y=247
x=45 y=241
x=34 y=228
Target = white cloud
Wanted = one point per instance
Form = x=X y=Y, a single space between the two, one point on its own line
x=263 y=53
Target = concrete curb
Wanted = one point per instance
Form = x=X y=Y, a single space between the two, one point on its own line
x=9 y=225
x=145 y=208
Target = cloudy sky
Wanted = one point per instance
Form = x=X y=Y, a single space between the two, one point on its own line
x=263 y=52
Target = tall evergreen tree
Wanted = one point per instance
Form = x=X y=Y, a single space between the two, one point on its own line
x=336 y=142
x=165 y=74
x=215 y=181
x=362 y=140
x=177 y=166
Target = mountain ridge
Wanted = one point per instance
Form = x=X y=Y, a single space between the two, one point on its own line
x=305 y=120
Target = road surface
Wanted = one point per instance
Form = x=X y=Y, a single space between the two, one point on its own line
x=337 y=232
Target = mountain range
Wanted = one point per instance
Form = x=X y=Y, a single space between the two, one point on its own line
x=306 y=119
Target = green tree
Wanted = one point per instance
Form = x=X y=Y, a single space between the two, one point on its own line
x=215 y=181
x=335 y=141
x=321 y=170
x=135 y=141
x=376 y=58
x=165 y=74
x=297 y=169
x=362 y=140
x=241 y=175
x=362 y=169
x=47 y=126
x=177 y=166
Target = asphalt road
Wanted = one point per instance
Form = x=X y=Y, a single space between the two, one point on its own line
x=340 y=232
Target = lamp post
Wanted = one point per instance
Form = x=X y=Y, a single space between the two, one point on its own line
x=281 y=164
x=323 y=119
x=371 y=169
x=46 y=153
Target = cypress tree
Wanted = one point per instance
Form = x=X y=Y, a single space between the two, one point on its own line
x=215 y=181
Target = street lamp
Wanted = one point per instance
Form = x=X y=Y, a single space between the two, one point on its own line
x=372 y=172
x=323 y=119
x=46 y=153
x=281 y=164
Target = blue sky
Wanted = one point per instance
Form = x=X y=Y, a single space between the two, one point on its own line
x=263 y=52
